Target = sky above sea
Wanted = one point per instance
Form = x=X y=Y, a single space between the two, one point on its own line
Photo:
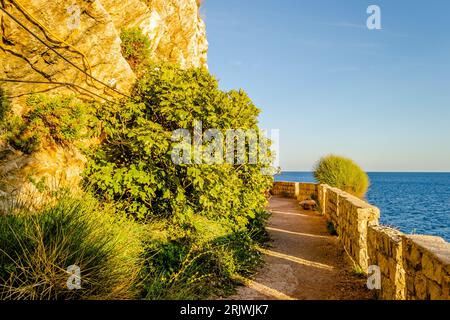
x=331 y=85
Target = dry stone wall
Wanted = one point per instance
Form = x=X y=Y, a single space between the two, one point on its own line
x=307 y=191
x=351 y=218
x=285 y=189
x=426 y=261
x=300 y=191
x=411 y=266
x=385 y=251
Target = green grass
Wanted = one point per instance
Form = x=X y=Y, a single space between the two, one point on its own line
x=342 y=173
x=36 y=248
x=119 y=258
x=58 y=120
x=358 y=272
x=201 y=264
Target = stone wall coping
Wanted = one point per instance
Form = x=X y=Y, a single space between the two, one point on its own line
x=393 y=234
x=437 y=246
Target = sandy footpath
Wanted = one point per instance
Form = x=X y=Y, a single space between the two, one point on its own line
x=303 y=260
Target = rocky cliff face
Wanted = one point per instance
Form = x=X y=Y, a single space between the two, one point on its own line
x=86 y=33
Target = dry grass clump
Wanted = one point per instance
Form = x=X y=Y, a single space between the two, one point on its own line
x=342 y=173
x=36 y=249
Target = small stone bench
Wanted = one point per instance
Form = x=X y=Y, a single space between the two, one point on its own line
x=308 y=204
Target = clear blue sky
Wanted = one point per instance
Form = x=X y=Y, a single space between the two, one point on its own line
x=381 y=97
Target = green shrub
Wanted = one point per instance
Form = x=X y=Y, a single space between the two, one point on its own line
x=36 y=248
x=257 y=227
x=56 y=120
x=134 y=168
x=4 y=104
x=189 y=267
x=135 y=48
x=342 y=173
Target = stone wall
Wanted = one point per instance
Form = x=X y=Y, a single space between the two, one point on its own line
x=351 y=218
x=285 y=189
x=411 y=266
x=307 y=191
x=426 y=260
x=385 y=251
x=298 y=190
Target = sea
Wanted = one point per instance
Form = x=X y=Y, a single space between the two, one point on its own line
x=415 y=203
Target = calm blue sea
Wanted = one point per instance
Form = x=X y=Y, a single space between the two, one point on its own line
x=412 y=202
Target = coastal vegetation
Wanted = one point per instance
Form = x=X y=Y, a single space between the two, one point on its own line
x=61 y=120
x=38 y=247
x=143 y=227
x=342 y=173
x=135 y=48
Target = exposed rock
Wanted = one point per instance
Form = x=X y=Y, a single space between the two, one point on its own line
x=24 y=57
x=175 y=28
x=176 y=31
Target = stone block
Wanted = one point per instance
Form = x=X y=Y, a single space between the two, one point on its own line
x=434 y=291
x=420 y=287
x=409 y=281
x=431 y=268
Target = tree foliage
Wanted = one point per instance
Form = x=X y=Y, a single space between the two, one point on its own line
x=133 y=167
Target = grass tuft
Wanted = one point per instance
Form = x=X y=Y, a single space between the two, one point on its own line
x=342 y=173
x=36 y=249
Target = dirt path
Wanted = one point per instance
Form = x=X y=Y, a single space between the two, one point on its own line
x=303 y=262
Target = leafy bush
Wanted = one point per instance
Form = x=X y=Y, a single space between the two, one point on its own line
x=57 y=120
x=134 y=167
x=342 y=173
x=36 y=248
x=257 y=227
x=210 y=218
x=135 y=48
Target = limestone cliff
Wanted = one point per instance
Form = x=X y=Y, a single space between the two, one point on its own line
x=76 y=45
x=87 y=33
